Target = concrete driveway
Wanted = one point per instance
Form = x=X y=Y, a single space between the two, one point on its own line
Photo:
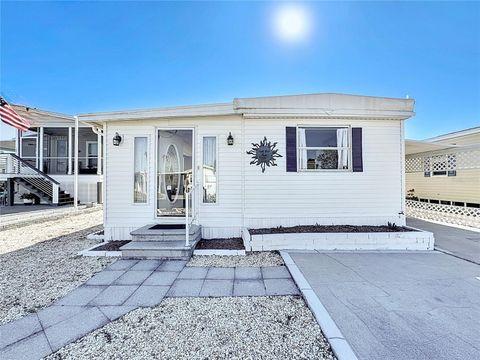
x=462 y=243
x=399 y=305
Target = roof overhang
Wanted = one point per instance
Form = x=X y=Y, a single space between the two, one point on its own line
x=326 y=106
x=418 y=146
x=298 y=106
x=167 y=112
x=455 y=134
x=38 y=117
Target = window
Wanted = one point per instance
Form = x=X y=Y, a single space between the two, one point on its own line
x=440 y=165
x=140 y=170
x=323 y=148
x=209 y=170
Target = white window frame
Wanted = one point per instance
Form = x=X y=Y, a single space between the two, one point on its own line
x=216 y=170
x=132 y=184
x=349 y=147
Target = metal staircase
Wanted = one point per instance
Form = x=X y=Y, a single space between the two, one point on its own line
x=13 y=168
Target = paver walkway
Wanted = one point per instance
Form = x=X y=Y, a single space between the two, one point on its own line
x=399 y=305
x=462 y=243
x=124 y=286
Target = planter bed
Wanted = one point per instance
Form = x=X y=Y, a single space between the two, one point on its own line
x=230 y=246
x=337 y=237
x=109 y=248
x=329 y=229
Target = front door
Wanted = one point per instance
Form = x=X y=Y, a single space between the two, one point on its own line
x=174 y=171
x=92 y=154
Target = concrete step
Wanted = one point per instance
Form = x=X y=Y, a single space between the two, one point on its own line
x=159 y=249
x=148 y=233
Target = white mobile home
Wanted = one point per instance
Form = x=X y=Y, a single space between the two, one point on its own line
x=445 y=169
x=443 y=178
x=255 y=162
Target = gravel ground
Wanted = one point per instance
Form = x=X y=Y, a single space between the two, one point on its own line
x=265 y=258
x=208 y=328
x=39 y=262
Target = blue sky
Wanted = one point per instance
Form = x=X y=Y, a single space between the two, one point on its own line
x=76 y=57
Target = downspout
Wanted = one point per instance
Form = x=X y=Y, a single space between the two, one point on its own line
x=402 y=214
x=75 y=178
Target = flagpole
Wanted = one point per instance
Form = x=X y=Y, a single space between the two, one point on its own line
x=75 y=179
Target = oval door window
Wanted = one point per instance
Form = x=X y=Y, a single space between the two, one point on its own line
x=172 y=173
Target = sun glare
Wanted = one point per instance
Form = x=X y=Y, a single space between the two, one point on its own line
x=292 y=23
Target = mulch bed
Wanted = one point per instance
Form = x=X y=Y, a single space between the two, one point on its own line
x=111 y=246
x=327 y=229
x=221 y=244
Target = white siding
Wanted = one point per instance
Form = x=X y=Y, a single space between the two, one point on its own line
x=87 y=186
x=122 y=216
x=373 y=196
x=273 y=198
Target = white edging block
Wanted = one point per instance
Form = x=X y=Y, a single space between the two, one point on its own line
x=418 y=240
x=89 y=252
x=339 y=344
x=219 y=252
x=246 y=237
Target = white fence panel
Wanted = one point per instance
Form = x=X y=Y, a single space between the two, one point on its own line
x=458 y=215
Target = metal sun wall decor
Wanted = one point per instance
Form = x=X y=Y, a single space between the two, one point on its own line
x=264 y=154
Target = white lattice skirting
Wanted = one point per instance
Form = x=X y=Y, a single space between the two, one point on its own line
x=457 y=215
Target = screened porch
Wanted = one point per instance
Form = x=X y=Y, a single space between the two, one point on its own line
x=50 y=149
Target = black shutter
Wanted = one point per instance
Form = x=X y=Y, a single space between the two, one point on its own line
x=291 y=150
x=357 y=158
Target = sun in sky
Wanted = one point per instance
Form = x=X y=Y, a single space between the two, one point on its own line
x=292 y=22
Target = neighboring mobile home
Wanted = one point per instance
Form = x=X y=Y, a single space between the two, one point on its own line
x=43 y=162
x=445 y=169
x=321 y=158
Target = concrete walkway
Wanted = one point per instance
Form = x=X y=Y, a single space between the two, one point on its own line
x=399 y=305
x=462 y=243
x=18 y=215
x=124 y=286
x=20 y=209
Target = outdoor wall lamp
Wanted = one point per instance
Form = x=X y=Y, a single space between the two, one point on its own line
x=230 y=139
x=117 y=139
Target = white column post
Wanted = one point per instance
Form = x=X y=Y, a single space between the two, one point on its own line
x=187 y=227
x=37 y=146
x=40 y=157
x=55 y=193
x=70 y=147
x=75 y=181
x=17 y=143
x=99 y=152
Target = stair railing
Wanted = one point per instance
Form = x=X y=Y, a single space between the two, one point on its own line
x=188 y=191
x=15 y=165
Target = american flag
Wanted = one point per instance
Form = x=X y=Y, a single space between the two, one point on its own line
x=10 y=117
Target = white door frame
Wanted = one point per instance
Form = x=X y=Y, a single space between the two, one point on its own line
x=87 y=143
x=174 y=219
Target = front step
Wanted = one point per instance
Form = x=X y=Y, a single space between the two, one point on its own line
x=159 y=249
x=168 y=233
x=162 y=241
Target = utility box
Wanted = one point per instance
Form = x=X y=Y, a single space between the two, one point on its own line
x=99 y=192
